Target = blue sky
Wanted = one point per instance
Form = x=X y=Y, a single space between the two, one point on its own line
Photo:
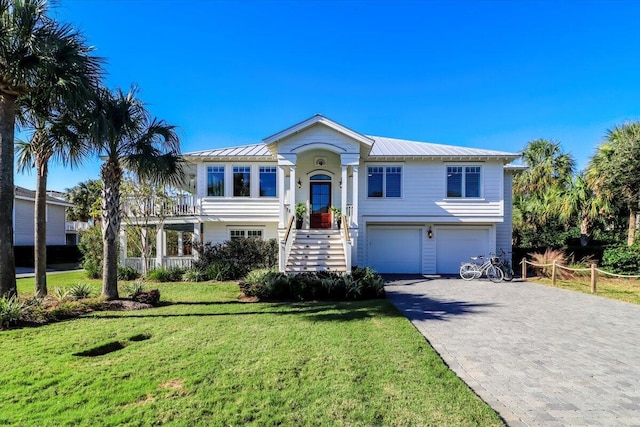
x=487 y=74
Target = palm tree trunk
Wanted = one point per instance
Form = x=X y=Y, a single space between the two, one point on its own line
x=631 y=236
x=40 y=223
x=584 y=232
x=111 y=178
x=7 y=256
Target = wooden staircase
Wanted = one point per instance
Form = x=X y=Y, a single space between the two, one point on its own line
x=316 y=250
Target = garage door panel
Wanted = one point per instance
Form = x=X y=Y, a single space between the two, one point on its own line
x=395 y=250
x=456 y=245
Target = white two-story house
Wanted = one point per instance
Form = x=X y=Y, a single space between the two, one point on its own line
x=407 y=206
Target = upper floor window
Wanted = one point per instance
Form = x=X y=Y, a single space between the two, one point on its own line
x=215 y=181
x=242 y=181
x=463 y=181
x=268 y=181
x=384 y=181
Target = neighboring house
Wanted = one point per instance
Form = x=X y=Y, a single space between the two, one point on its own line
x=23 y=218
x=408 y=207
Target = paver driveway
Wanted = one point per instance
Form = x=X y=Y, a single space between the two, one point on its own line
x=538 y=355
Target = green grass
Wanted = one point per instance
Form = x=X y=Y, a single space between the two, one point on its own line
x=212 y=360
x=621 y=289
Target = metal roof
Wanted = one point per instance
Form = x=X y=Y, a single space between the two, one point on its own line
x=255 y=150
x=392 y=147
x=382 y=147
x=24 y=193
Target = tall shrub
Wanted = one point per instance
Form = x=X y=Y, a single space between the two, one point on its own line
x=622 y=259
x=90 y=245
x=239 y=255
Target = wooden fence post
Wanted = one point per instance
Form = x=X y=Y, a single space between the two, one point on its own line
x=524 y=268
x=553 y=273
x=593 y=278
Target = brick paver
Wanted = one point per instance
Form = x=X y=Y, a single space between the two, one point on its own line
x=540 y=356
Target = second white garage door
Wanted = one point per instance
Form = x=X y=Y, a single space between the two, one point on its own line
x=456 y=244
x=395 y=250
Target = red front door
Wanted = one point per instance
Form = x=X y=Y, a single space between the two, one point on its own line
x=320 y=204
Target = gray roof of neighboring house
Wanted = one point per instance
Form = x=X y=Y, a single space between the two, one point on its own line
x=25 y=193
x=382 y=147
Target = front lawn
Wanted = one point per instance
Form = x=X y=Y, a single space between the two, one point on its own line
x=615 y=288
x=212 y=360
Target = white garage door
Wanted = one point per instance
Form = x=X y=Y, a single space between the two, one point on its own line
x=395 y=250
x=456 y=244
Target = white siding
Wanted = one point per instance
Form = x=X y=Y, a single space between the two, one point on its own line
x=319 y=134
x=504 y=229
x=239 y=209
x=216 y=232
x=424 y=194
x=24 y=224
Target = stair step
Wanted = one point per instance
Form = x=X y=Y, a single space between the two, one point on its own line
x=308 y=268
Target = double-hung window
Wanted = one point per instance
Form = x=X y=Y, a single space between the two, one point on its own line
x=215 y=181
x=268 y=181
x=242 y=181
x=384 y=181
x=463 y=181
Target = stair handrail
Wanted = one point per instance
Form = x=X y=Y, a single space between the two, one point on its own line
x=286 y=247
x=346 y=243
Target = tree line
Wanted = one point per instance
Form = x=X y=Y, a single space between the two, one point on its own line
x=52 y=85
x=553 y=203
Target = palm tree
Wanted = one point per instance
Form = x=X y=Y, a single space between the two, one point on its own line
x=580 y=202
x=615 y=170
x=29 y=44
x=126 y=136
x=85 y=197
x=547 y=165
x=54 y=112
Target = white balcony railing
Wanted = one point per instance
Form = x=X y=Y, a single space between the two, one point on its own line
x=180 y=205
x=184 y=262
x=76 y=226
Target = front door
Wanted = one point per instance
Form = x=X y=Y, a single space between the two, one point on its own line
x=320 y=204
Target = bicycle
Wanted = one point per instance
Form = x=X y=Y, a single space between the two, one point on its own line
x=505 y=266
x=474 y=269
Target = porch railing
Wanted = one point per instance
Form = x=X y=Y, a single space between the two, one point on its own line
x=167 y=262
x=181 y=205
x=76 y=225
x=346 y=243
x=285 y=245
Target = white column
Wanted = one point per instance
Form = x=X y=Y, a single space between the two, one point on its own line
x=180 y=244
x=355 y=199
x=283 y=220
x=123 y=245
x=159 y=246
x=292 y=190
x=196 y=238
x=344 y=180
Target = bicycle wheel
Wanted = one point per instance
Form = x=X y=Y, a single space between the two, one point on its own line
x=508 y=273
x=468 y=271
x=494 y=274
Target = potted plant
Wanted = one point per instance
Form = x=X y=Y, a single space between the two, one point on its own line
x=337 y=216
x=301 y=210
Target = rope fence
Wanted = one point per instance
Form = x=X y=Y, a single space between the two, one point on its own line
x=594 y=270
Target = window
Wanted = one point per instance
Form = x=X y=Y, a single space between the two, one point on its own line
x=242 y=181
x=215 y=181
x=384 y=181
x=267 y=181
x=463 y=181
x=245 y=234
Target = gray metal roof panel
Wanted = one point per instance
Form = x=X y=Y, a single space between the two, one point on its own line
x=254 y=150
x=392 y=147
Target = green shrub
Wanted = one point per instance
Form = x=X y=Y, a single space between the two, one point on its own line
x=219 y=270
x=60 y=294
x=166 y=274
x=10 y=311
x=133 y=288
x=93 y=268
x=127 y=273
x=194 y=275
x=239 y=257
x=622 y=259
x=80 y=291
x=362 y=283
